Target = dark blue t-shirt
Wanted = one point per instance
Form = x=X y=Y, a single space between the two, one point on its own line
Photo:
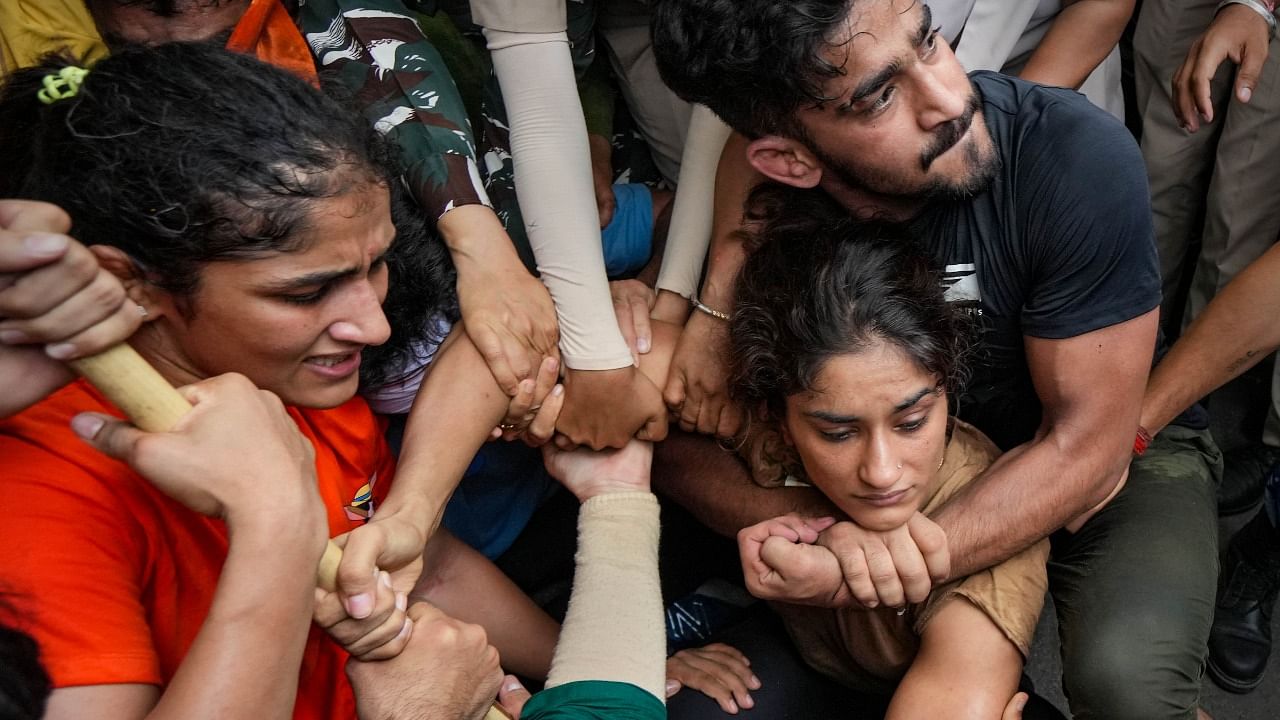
x=1059 y=245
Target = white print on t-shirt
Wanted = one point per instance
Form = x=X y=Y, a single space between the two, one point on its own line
x=961 y=283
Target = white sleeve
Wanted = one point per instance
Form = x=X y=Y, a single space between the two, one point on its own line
x=556 y=193
x=691 y=217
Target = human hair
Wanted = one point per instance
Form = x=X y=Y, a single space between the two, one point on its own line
x=162 y=8
x=186 y=154
x=754 y=63
x=820 y=284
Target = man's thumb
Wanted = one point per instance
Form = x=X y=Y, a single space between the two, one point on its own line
x=512 y=696
x=109 y=435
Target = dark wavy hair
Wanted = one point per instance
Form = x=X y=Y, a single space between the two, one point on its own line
x=820 y=284
x=753 y=62
x=186 y=154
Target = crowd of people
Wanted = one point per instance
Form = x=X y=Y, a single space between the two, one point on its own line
x=885 y=290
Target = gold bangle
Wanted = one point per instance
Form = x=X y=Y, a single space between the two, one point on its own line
x=697 y=304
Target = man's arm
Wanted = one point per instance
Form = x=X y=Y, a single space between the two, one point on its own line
x=1090 y=387
x=1081 y=37
x=697 y=387
x=1235 y=331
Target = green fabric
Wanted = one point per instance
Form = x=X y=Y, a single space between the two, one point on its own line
x=594 y=700
x=402 y=85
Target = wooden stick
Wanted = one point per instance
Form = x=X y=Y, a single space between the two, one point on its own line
x=151 y=403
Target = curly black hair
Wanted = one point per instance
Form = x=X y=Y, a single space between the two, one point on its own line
x=753 y=62
x=820 y=284
x=186 y=154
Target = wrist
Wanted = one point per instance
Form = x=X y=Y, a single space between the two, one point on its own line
x=1263 y=8
x=473 y=233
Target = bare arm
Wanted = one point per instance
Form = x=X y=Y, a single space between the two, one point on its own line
x=1235 y=331
x=1090 y=387
x=1081 y=37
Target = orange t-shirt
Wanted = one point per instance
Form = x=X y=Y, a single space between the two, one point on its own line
x=114 y=579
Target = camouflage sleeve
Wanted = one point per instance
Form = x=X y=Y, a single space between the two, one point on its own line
x=378 y=53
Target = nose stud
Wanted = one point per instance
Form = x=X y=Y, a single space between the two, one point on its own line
x=899 y=466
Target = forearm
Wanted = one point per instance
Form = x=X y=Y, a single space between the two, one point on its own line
x=1051 y=481
x=692 y=215
x=475 y=238
x=246 y=658
x=735 y=179
x=715 y=486
x=616 y=594
x=457 y=407
x=1081 y=37
x=1235 y=331
x=557 y=198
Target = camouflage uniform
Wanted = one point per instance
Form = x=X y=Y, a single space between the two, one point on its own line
x=376 y=49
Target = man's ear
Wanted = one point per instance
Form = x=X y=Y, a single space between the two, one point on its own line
x=152 y=300
x=785 y=160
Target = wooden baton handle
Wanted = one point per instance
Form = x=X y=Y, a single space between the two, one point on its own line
x=151 y=403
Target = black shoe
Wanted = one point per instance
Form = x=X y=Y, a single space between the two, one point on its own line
x=1243 y=476
x=1240 y=641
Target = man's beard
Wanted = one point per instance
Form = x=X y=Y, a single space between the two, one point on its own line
x=980 y=170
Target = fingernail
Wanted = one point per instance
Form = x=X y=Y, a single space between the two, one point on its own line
x=405 y=629
x=359 y=606
x=755 y=683
x=1245 y=94
x=1021 y=702
x=526 y=386
x=87 y=426
x=748 y=703
x=642 y=345
x=511 y=684
x=385 y=577
x=558 y=390
x=13 y=337
x=45 y=244
x=552 y=363
x=672 y=687
x=60 y=351
x=733 y=706
x=402 y=601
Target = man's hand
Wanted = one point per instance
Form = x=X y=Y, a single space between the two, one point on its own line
x=236 y=455
x=602 y=176
x=697 y=384
x=632 y=302
x=606 y=408
x=1237 y=32
x=447 y=670
x=719 y=671
x=53 y=294
x=381 y=563
x=587 y=474
x=507 y=312
x=532 y=413
x=891 y=568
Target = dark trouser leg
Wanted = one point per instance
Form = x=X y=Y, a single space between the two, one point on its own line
x=1135 y=587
